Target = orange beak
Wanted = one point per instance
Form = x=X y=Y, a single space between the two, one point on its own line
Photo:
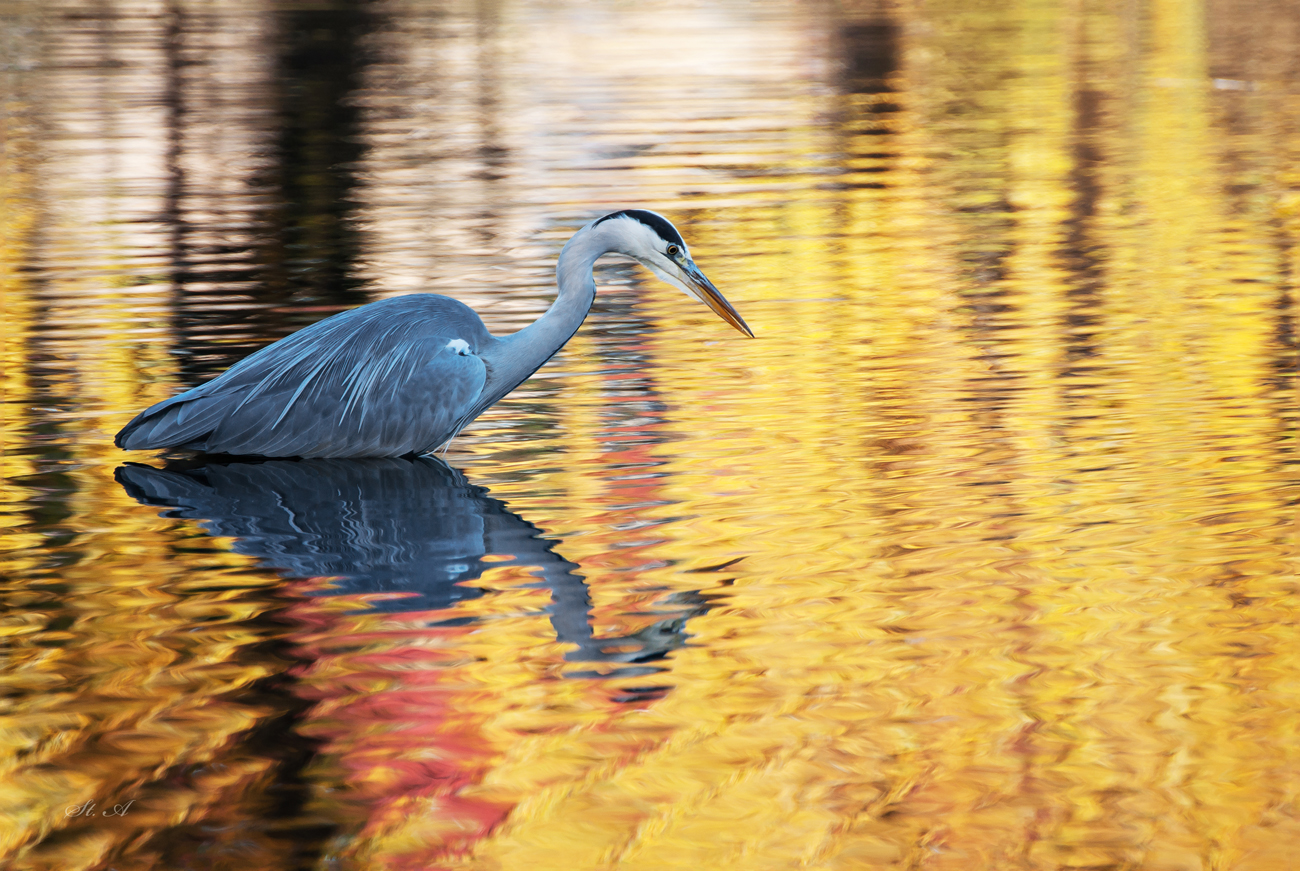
x=710 y=296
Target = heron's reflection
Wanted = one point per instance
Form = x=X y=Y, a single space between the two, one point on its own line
x=412 y=526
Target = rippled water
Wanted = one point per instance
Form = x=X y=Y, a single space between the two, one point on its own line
x=982 y=556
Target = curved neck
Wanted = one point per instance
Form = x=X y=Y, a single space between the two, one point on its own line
x=519 y=355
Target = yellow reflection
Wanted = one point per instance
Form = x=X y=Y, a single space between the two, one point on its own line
x=982 y=555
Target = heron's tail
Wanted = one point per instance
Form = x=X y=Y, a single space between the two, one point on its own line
x=183 y=421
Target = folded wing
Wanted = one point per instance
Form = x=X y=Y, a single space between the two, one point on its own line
x=388 y=379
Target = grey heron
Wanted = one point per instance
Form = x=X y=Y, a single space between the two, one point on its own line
x=401 y=376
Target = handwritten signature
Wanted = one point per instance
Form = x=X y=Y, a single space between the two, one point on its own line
x=88 y=810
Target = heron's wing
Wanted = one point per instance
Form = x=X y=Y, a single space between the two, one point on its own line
x=382 y=380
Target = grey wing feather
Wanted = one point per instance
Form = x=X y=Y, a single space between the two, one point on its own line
x=381 y=380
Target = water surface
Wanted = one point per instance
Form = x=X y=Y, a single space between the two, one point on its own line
x=982 y=556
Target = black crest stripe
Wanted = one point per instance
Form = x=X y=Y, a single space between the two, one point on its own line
x=660 y=225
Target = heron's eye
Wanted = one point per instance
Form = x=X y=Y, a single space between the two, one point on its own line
x=673 y=251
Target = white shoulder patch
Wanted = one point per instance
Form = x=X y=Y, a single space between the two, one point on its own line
x=460 y=346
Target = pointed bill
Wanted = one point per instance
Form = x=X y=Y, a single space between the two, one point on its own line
x=710 y=296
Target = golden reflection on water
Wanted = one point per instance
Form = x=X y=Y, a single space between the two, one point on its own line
x=983 y=555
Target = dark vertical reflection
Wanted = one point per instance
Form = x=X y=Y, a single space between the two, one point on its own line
x=870 y=55
x=870 y=58
x=215 y=205
x=173 y=97
x=493 y=152
x=1252 y=50
x=1079 y=255
x=869 y=51
x=972 y=129
x=270 y=252
x=320 y=143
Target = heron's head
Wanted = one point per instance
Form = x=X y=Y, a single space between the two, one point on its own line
x=651 y=239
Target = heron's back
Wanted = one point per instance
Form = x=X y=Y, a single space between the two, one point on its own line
x=391 y=378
